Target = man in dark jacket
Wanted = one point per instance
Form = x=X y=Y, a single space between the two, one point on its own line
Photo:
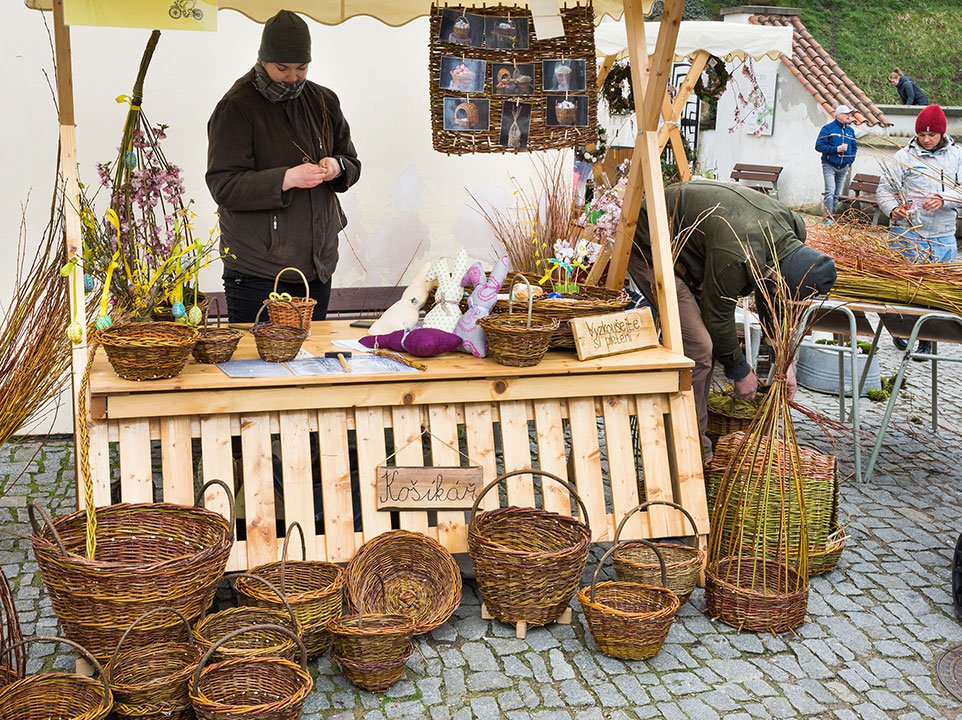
x=727 y=227
x=836 y=142
x=909 y=92
x=279 y=149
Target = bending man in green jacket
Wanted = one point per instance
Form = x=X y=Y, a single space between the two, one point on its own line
x=726 y=225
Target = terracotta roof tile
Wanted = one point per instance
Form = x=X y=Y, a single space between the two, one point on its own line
x=819 y=74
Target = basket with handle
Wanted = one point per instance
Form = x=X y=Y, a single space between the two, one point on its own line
x=13 y=662
x=150 y=682
x=216 y=344
x=518 y=340
x=421 y=579
x=277 y=343
x=251 y=688
x=528 y=562
x=293 y=311
x=636 y=561
x=267 y=642
x=629 y=620
x=64 y=696
x=148 y=555
x=148 y=350
x=313 y=589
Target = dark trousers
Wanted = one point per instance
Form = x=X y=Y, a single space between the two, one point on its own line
x=246 y=293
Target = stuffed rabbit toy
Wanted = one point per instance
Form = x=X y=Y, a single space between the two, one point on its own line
x=480 y=302
x=446 y=311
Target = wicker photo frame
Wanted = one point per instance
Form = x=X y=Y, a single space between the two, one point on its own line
x=577 y=45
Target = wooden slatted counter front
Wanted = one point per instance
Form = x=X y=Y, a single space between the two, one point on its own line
x=609 y=425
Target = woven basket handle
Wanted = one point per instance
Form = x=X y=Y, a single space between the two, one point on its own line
x=216 y=303
x=135 y=623
x=644 y=505
x=287 y=538
x=230 y=501
x=32 y=508
x=79 y=648
x=614 y=546
x=274 y=589
x=360 y=604
x=307 y=287
x=230 y=636
x=530 y=296
x=531 y=471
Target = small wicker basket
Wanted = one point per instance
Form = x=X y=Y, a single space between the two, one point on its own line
x=636 y=561
x=629 y=620
x=516 y=341
x=277 y=343
x=757 y=594
x=216 y=344
x=283 y=309
x=148 y=350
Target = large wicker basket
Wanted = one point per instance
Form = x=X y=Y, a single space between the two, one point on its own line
x=421 y=579
x=314 y=590
x=528 y=562
x=629 y=620
x=60 y=696
x=277 y=343
x=643 y=562
x=148 y=555
x=755 y=594
x=148 y=350
x=291 y=311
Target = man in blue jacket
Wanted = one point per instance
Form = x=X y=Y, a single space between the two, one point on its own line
x=836 y=142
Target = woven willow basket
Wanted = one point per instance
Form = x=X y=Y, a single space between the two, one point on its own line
x=755 y=594
x=518 y=340
x=277 y=343
x=216 y=344
x=148 y=350
x=291 y=311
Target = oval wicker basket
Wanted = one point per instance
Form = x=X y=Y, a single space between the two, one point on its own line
x=636 y=561
x=148 y=350
x=216 y=344
x=57 y=695
x=211 y=629
x=528 y=562
x=314 y=590
x=148 y=555
x=277 y=343
x=251 y=688
x=150 y=682
x=283 y=309
x=421 y=579
x=629 y=620
x=734 y=594
x=518 y=340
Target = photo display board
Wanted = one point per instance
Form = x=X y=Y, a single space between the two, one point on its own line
x=495 y=87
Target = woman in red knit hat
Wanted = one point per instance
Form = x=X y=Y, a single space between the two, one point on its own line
x=921 y=193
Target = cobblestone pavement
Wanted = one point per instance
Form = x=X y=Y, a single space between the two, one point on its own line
x=876 y=626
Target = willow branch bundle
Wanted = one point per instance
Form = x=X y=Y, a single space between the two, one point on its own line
x=763 y=480
x=869 y=269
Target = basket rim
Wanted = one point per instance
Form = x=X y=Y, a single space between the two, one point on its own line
x=619 y=555
x=673 y=601
x=155 y=648
x=260 y=592
x=197 y=694
x=476 y=533
x=749 y=592
x=339 y=625
x=113 y=334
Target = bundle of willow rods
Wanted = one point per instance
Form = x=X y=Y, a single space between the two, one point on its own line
x=869 y=269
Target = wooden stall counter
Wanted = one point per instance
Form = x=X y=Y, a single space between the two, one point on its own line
x=308 y=447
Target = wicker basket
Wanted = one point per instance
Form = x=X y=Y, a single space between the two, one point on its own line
x=629 y=620
x=59 y=696
x=589 y=300
x=516 y=340
x=251 y=688
x=13 y=662
x=314 y=590
x=148 y=350
x=736 y=592
x=148 y=555
x=727 y=415
x=216 y=344
x=824 y=560
x=635 y=561
x=266 y=642
x=277 y=343
x=165 y=313
x=421 y=579
x=374 y=677
x=150 y=682
x=291 y=311
x=528 y=561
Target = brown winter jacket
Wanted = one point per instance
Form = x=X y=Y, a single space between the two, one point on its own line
x=250 y=147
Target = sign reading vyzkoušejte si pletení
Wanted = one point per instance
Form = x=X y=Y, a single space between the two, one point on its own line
x=152 y=14
x=427 y=488
x=600 y=335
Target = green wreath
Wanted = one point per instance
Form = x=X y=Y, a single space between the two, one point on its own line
x=713 y=80
x=617 y=90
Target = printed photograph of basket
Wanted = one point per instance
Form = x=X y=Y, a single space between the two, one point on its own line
x=566 y=111
x=461 y=29
x=562 y=77
x=284 y=309
x=148 y=350
x=506 y=32
x=464 y=76
x=513 y=78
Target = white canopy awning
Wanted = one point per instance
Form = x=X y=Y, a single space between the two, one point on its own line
x=721 y=39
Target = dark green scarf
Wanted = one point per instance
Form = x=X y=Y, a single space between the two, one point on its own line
x=275 y=91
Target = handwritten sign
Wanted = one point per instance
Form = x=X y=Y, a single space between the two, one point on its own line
x=601 y=335
x=427 y=488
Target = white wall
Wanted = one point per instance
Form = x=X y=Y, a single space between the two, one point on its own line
x=408 y=193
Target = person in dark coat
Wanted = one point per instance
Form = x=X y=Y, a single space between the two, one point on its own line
x=727 y=226
x=909 y=92
x=279 y=149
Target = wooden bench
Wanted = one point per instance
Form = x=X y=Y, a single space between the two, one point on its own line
x=763 y=178
x=860 y=194
x=346 y=303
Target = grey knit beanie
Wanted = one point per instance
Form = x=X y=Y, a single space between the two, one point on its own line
x=807 y=272
x=286 y=39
